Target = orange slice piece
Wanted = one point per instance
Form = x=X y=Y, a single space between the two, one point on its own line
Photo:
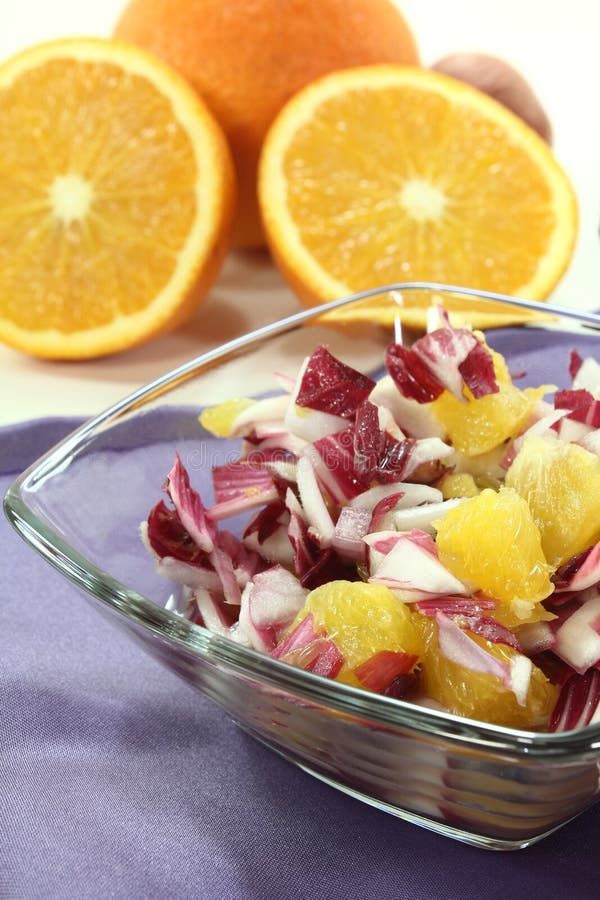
x=386 y=174
x=492 y=542
x=561 y=484
x=479 y=425
x=362 y=619
x=478 y=695
x=116 y=196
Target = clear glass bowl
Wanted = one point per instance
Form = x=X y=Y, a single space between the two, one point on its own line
x=81 y=505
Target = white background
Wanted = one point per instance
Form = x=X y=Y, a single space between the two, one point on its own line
x=554 y=45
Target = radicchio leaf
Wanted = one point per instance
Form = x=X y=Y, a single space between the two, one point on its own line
x=395 y=462
x=168 y=537
x=385 y=505
x=241 y=479
x=444 y=350
x=575 y=363
x=579 y=572
x=445 y=359
x=259 y=414
x=267 y=520
x=334 y=463
x=455 y=606
x=189 y=506
x=412 y=565
x=414 y=419
x=582 y=406
x=411 y=375
x=213 y=612
x=331 y=386
x=588 y=376
x=313 y=565
x=306 y=648
x=490 y=629
x=350 y=529
x=246 y=562
x=555 y=670
x=192 y=575
x=381 y=458
x=477 y=370
x=577 y=703
x=313 y=504
x=379 y=671
x=412 y=495
x=223 y=566
x=275 y=598
x=305 y=549
x=369 y=440
x=577 y=631
x=303 y=634
x=459 y=648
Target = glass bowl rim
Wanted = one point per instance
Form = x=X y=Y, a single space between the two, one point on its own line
x=197 y=640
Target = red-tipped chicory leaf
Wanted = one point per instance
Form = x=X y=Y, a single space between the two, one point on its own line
x=477 y=370
x=455 y=606
x=580 y=572
x=331 y=386
x=459 y=648
x=240 y=479
x=577 y=631
x=575 y=363
x=334 y=464
x=168 y=537
x=214 y=613
x=189 y=506
x=582 y=406
x=577 y=703
x=350 y=529
x=303 y=634
x=411 y=375
x=313 y=503
x=490 y=629
x=268 y=520
x=307 y=649
x=378 y=671
x=382 y=508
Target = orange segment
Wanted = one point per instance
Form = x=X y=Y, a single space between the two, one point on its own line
x=478 y=695
x=116 y=193
x=388 y=174
x=481 y=424
x=492 y=542
x=561 y=484
x=362 y=619
x=219 y=419
x=458 y=484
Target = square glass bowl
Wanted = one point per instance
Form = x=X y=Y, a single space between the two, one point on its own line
x=81 y=506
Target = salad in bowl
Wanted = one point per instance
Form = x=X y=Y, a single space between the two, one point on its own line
x=379 y=557
x=431 y=534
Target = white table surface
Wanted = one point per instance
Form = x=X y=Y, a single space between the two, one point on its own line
x=554 y=44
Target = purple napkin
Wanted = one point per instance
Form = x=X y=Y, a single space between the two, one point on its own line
x=118 y=780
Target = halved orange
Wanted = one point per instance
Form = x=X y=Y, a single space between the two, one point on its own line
x=386 y=174
x=116 y=198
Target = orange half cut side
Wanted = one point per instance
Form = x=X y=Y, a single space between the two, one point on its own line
x=116 y=197
x=387 y=174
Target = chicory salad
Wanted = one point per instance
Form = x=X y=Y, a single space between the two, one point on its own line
x=432 y=535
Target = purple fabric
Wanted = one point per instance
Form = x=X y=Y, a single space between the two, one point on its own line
x=118 y=780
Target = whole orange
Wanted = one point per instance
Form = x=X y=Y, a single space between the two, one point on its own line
x=247 y=57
